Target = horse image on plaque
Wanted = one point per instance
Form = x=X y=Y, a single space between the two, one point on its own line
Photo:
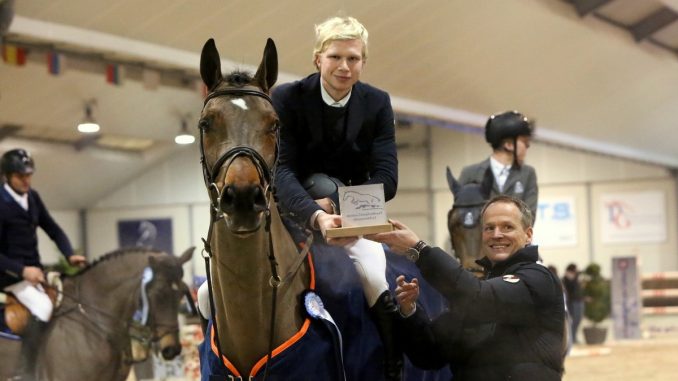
x=362 y=211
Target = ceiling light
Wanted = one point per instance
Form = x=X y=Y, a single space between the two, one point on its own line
x=88 y=124
x=183 y=137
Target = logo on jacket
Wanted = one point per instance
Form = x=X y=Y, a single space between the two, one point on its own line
x=519 y=188
x=510 y=278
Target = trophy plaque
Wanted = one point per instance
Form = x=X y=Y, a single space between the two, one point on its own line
x=362 y=211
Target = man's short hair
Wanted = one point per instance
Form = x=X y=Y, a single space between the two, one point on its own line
x=526 y=217
x=339 y=28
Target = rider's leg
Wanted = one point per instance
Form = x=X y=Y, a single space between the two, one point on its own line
x=41 y=307
x=369 y=260
x=30 y=344
x=34 y=298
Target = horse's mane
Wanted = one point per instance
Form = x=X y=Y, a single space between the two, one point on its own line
x=115 y=254
x=238 y=78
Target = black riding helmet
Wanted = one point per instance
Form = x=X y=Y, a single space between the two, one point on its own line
x=509 y=124
x=17 y=161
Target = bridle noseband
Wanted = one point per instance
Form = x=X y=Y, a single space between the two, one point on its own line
x=210 y=174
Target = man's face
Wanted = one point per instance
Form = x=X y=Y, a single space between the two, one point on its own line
x=340 y=66
x=19 y=182
x=503 y=233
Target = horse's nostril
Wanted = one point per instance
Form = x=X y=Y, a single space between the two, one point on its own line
x=259 y=198
x=170 y=352
x=227 y=197
x=247 y=198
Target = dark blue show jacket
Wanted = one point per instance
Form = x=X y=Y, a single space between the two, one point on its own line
x=19 y=238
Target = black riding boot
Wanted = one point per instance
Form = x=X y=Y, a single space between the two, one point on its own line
x=383 y=313
x=30 y=344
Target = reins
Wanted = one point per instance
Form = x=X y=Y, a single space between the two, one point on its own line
x=267 y=179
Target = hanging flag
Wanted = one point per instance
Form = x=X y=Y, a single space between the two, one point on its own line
x=114 y=74
x=150 y=79
x=56 y=63
x=13 y=55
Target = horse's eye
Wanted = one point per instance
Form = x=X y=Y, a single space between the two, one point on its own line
x=275 y=127
x=204 y=124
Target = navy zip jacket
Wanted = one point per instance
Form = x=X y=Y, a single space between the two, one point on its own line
x=19 y=238
x=509 y=326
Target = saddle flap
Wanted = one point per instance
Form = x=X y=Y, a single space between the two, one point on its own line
x=16 y=315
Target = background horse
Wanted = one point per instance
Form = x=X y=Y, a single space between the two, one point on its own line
x=89 y=336
x=463 y=220
x=260 y=271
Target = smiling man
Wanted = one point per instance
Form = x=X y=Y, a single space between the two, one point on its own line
x=509 y=325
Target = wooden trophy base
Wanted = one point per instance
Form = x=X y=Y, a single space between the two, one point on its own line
x=355 y=231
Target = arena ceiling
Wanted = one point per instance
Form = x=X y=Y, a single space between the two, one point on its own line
x=600 y=75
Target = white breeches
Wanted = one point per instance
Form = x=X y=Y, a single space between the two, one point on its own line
x=369 y=260
x=33 y=297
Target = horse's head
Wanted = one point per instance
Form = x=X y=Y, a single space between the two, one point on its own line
x=164 y=291
x=239 y=131
x=463 y=220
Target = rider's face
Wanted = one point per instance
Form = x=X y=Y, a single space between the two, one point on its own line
x=523 y=144
x=340 y=66
x=20 y=183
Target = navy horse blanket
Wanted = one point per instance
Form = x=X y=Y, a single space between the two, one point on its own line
x=314 y=353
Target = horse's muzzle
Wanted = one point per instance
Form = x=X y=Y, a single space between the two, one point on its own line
x=243 y=207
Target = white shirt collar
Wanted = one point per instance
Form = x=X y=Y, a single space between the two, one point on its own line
x=327 y=98
x=20 y=199
x=498 y=167
x=500 y=171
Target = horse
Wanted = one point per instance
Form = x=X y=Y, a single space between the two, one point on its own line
x=279 y=302
x=111 y=313
x=463 y=219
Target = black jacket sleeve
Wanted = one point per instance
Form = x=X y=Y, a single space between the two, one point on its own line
x=53 y=230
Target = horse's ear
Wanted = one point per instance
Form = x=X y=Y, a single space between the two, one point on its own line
x=210 y=65
x=486 y=185
x=267 y=73
x=186 y=256
x=452 y=183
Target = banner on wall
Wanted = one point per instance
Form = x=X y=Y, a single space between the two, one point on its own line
x=556 y=224
x=627 y=301
x=633 y=217
x=149 y=233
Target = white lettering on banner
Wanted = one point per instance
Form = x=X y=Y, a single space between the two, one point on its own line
x=556 y=225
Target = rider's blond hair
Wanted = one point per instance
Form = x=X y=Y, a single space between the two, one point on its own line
x=338 y=28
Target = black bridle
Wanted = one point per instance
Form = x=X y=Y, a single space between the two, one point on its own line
x=122 y=330
x=264 y=170
x=267 y=179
